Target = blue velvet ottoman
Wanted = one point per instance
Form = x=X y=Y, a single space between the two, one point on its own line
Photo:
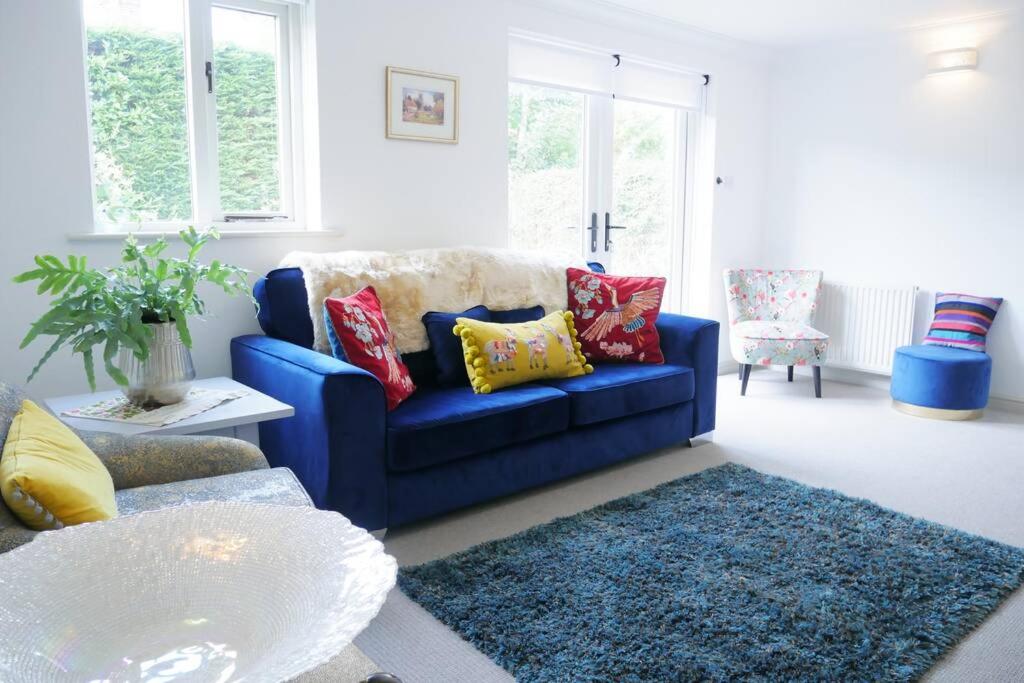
x=940 y=382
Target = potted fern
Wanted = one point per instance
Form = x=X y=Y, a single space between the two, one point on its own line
x=133 y=316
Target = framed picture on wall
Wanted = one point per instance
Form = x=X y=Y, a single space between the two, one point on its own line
x=422 y=106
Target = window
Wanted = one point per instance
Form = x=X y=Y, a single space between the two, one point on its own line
x=546 y=167
x=195 y=112
x=602 y=158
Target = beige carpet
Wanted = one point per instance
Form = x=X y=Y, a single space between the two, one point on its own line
x=967 y=475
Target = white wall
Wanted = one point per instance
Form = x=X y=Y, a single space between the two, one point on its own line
x=398 y=194
x=380 y=194
x=880 y=174
x=45 y=195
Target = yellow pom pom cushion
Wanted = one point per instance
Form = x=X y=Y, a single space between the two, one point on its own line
x=48 y=477
x=499 y=355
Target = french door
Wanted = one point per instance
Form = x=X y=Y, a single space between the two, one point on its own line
x=601 y=176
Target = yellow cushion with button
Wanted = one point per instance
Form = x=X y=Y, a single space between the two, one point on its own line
x=501 y=355
x=48 y=477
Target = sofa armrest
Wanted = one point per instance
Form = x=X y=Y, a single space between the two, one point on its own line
x=12 y=532
x=693 y=342
x=335 y=441
x=144 y=460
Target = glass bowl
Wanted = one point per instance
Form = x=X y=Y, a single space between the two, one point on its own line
x=216 y=591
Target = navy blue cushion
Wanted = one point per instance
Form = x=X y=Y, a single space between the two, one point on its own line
x=941 y=377
x=437 y=425
x=284 y=307
x=620 y=390
x=595 y=266
x=447 y=347
x=517 y=315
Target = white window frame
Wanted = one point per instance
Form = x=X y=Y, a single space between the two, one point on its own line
x=294 y=19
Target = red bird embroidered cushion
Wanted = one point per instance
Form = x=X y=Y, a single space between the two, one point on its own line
x=358 y=325
x=615 y=315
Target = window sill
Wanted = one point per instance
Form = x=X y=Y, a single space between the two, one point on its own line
x=143 y=235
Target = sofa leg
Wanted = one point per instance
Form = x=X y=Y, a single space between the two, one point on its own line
x=702 y=440
x=817 y=381
x=744 y=378
x=379 y=534
x=789 y=372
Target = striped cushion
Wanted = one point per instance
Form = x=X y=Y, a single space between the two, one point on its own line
x=962 y=320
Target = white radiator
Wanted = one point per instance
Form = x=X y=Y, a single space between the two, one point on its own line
x=865 y=324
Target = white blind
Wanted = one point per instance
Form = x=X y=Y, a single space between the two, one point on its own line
x=576 y=68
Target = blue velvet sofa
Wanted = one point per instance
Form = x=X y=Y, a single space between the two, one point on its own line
x=446 y=448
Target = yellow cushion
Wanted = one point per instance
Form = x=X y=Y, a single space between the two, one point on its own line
x=48 y=477
x=500 y=355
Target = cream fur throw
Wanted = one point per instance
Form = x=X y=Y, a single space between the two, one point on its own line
x=410 y=283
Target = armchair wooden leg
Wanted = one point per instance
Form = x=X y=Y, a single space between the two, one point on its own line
x=790 y=373
x=745 y=376
x=817 y=381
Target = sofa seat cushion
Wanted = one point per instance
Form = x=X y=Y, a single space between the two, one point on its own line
x=619 y=390
x=276 y=486
x=446 y=423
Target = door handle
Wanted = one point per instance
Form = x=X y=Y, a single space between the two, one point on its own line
x=593 y=233
x=608 y=227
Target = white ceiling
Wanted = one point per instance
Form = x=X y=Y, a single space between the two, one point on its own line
x=794 y=22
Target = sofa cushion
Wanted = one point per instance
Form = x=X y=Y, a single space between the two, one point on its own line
x=276 y=486
x=517 y=315
x=500 y=356
x=615 y=316
x=440 y=424
x=49 y=478
x=359 y=333
x=962 y=321
x=446 y=347
x=620 y=390
x=284 y=306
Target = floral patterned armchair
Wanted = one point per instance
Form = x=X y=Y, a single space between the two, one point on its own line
x=770 y=316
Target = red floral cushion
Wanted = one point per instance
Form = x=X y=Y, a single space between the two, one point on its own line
x=358 y=324
x=615 y=315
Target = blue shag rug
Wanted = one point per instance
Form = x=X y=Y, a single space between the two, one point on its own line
x=725 y=574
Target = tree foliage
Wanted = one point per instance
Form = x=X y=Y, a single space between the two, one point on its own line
x=140 y=126
x=247 y=130
x=546 y=176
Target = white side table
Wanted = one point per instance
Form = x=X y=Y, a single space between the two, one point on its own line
x=239 y=417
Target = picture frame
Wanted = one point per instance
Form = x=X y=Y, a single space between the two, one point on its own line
x=421 y=105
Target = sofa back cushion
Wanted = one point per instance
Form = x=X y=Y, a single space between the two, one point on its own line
x=446 y=347
x=283 y=311
x=284 y=314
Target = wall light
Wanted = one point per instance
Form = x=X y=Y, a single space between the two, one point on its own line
x=953 y=60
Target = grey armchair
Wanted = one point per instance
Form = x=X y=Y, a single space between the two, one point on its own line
x=152 y=472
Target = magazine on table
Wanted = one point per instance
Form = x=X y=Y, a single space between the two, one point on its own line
x=120 y=409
